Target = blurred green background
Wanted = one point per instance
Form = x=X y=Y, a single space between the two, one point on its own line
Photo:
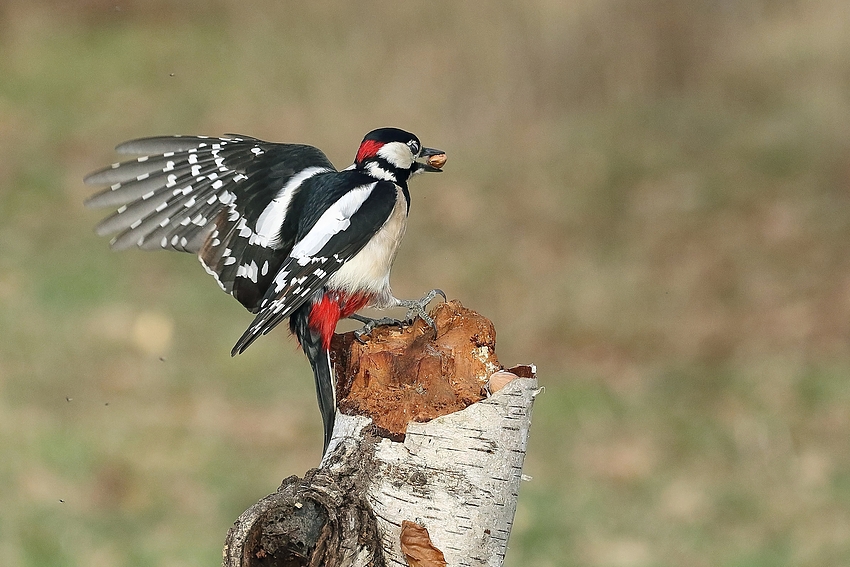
x=648 y=197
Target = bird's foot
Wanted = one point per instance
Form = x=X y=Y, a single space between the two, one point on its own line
x=416 y=307
x=369 y=325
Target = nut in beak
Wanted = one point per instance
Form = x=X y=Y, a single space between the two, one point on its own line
x=437 y=161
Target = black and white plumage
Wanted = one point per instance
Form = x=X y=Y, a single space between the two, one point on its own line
x=277 y=226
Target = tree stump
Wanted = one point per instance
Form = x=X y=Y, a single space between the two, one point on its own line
x=425 y=461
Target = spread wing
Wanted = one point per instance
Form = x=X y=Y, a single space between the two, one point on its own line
x=342 y=230
x=224 y=199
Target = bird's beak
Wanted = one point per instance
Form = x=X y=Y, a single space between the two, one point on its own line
x=431 y=159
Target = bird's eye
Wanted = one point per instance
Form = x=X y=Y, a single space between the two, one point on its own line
x=414 y=147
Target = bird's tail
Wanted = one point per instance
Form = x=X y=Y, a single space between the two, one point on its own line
x=319 y=357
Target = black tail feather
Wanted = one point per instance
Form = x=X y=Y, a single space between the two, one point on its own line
x=311 y=344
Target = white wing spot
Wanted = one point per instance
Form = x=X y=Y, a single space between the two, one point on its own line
x=244 y=231
x=280 y=280
x=251 y=271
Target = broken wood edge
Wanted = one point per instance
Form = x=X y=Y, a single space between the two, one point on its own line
x=320 y=520
x=348 y=426
x=415 y=373
x=457 y=476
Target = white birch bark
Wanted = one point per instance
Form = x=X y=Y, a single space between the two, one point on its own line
x=457 y=475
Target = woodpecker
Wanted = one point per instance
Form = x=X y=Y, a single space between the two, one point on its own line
x=278 y=227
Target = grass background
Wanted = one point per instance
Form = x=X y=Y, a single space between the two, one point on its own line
x=648 y=197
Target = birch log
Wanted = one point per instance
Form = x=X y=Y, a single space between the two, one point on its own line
x=425 y=462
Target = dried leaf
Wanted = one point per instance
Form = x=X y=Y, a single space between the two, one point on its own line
x=417 y=547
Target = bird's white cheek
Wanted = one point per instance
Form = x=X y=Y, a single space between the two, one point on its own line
x=397 y=154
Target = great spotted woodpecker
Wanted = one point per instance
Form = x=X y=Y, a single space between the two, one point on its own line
x=277 y=226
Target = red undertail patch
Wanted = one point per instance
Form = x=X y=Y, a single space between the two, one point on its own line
x=333 y=306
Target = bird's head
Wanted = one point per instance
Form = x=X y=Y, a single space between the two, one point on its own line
x=395 y=155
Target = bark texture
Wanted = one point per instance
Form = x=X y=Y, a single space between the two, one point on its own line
x=425 y=462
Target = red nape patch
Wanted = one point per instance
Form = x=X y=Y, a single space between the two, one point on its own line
x=368 y=149
x=331 y=308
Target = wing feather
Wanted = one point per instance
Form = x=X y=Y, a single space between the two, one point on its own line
x=204 y=195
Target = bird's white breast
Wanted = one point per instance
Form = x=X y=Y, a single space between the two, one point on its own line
x=369 y=270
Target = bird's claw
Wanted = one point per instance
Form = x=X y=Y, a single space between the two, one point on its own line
x=416 y=307
x=369 y=325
